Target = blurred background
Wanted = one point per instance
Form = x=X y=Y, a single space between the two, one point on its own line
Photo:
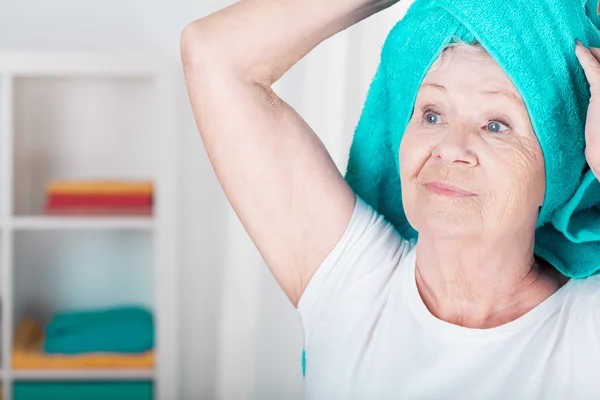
x=124 y=272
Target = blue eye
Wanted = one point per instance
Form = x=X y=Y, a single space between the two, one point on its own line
x=429 y=116
x=497 y=126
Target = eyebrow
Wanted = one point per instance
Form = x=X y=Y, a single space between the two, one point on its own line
x=510 y=95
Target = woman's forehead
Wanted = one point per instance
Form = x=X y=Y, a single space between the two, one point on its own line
x=465 y=69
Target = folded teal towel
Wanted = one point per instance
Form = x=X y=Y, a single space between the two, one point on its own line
x=83 y=390
x=114 y=330
x=534 y=42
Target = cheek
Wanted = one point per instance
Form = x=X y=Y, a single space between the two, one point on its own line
x=519 y=173
x=414 y=152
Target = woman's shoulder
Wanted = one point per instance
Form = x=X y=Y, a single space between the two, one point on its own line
x=582 y=295
x=585 y=286
x=580 y=309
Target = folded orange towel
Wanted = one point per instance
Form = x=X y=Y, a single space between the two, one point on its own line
x=28 y=354
x=100 y=187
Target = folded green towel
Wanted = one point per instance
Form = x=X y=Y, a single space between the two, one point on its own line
x=114 y=330
x=125 y=390
x=534 y=42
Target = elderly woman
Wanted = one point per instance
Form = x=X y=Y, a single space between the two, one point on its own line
x=468 y=310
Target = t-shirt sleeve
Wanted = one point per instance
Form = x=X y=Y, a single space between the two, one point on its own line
x=360 y=265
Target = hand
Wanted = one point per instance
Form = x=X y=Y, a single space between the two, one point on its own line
x=590 y=61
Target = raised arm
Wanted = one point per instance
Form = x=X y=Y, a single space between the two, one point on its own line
x=274 y=170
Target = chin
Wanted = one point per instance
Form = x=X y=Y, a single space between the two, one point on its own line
x=444 y=216
x=453 y=223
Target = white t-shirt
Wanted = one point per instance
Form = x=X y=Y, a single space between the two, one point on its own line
x=368 y=334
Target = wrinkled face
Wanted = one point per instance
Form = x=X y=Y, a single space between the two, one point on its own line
x=470 y=163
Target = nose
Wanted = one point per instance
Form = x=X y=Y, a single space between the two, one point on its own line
x=455 y=148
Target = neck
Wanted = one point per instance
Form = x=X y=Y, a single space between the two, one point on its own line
x=481 y=282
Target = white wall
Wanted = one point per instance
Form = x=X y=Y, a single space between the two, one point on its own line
x=240 y=338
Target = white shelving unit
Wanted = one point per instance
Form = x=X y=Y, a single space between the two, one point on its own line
x=87 y=116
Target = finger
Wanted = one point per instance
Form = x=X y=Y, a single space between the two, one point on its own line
x=595 y=52
x=591 y=67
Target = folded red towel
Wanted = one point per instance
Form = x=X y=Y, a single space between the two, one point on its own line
x=123 y=200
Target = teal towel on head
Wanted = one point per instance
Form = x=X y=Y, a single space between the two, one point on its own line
x=114 y=330
x=534 y=43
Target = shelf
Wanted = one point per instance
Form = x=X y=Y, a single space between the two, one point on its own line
x=78 y=270
x=87 y=374
x=81 y=116
x=81 y=128
x=59 y=223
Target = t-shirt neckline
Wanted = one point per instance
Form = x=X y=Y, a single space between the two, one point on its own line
x=429 y=320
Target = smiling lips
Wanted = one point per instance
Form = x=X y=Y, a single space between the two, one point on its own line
x=447 y=190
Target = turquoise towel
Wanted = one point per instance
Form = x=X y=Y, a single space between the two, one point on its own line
x=98 y=390
x=114 y=330
x=95 y=390
x=303 y=362
x=534 y=42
